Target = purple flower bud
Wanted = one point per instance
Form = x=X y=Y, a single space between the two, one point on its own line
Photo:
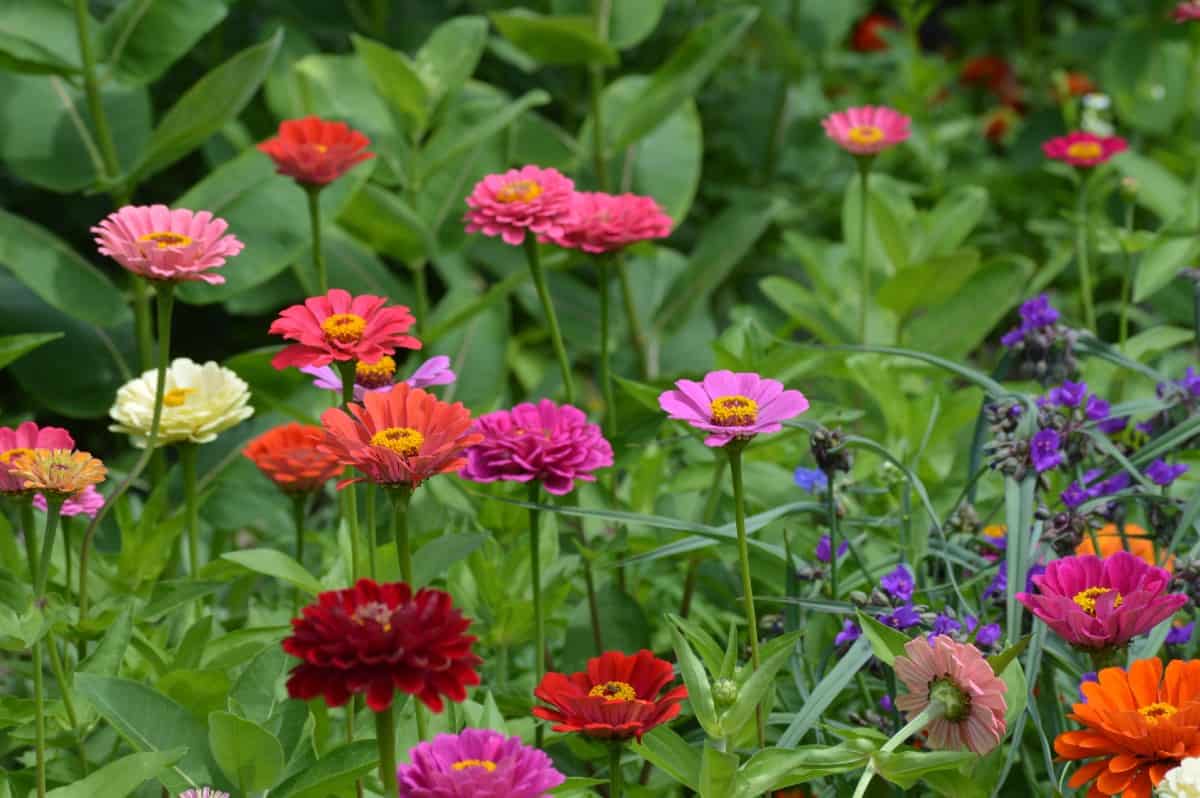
x=1069 y=394
x=898 y=584
x=945 y=625
x=825 y=544
x=850 y=632
x=886 y=703
x=988 y=636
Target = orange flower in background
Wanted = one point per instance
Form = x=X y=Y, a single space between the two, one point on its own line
x=1138 y=725
x=60 y=473
x=289 y=457
x=314 y=152
x=1137 y=542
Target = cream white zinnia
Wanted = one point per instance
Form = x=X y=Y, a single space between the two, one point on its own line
x=200 y=402
x=1181 y=782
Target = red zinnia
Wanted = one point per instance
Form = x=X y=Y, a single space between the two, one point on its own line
x=289 y=457
x=377 y=639
x=341 y=327
x=617 y=697
x=315 y=152
x=866 y=38
x=1083 y=149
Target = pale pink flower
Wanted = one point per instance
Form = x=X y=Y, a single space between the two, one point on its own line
x=527 y=199
x=605 y=223
x=732 y=405
x=163 y=244
x=867 y=130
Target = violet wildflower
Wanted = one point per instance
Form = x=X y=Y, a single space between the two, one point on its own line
x=1069 y=394
x=999 y=585
x=1097 y=409
x=898 y=583
x=886 y=703
x=812 y=480
x=1045 y=450
x=824 y=548
x=1163 y=473
x=1090 y=676
x=945 y=625
x=1180 y=634
x=1036 y=314
x=903 y=617
x=1113 y=425
x=988 y=635
x=850 y=632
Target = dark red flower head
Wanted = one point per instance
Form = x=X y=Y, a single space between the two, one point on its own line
x=866 y=38
x=616 y=698
x=377 y=639
x=315 y=152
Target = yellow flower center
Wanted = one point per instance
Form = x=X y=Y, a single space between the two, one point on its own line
x=995 y=531
x=164 y=239
x=463 y=764
x=177 y=396
x=519 y=191
x=321 y=148
x=404 y=441
x=734 y=411
x=614 y=691
x=375 y=611
x=12 y=454
x=1155 y=712
x=1085 y=150
x=375 y=375
x=344 y=328
x=1086 y=599
x=865 y=134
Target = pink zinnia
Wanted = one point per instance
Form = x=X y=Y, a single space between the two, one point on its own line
x=163 y=244
x=867 y=130
x=604 y=222
x=88 y=503
x=1083 y=149
x=730 y=405
x=477 y=763
x=958 y=677
x=23 y=440
x=530 y=198
x=1102 y=603
x=1187 y=12
x=341 y=327
x=551 y=443
x=378 y=376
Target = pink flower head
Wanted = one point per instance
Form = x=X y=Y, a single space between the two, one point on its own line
x=23 y=440
x=163 y=244
x=605 y=223
x=341 y=327
x=1083 y=149
x=377 y=376
x=732 y=405
x=1102 y=603
x=530 y=198
x=961 y=680
x=1187 y=12
x=867 y=130
x=551 y=443
x=88 y=503
x=477 y=763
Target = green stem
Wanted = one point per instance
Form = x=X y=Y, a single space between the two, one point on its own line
x=298 y=518
x=400 y=502
x=601 y=11
x=314 y=219
x=64 y=687
x=346 y=371
x=64 y=526
x=539 y=282
x=29 y=533
x=53 y=511
x=535 y=578
x=834 y=531
x=637 y=335
x=141 y=323
x=385 y=737
x=40 y=569
x=187 y=460
x=421 y=289
x=734 y=450
x=350 y=513
x=91 y=88
x=372 y=543
x=864 y=171
x=1126 y=280
x=616 y=778
x=39 y=709
x=927 y=716
x=610 y=404
x=1081 y=254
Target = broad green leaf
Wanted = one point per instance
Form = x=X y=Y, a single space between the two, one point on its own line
x=256 y=691
x=434 y=559
x=1161 y=264
x=1000 y=661
x=106 y=658
x=718 y=773
x=754 y=692
x=886 y=642
x=826 y=691
x=929 y=282
x=142 y=38
x=38 y=36
x=1148 y=344
x=554 y=39
x=14 y=347
x=395 y=78
x=1016 y=689
x=270 y=562
x=629 y=21
x=670 y=753
x=332 y=773
x=120 y=778
x=385 y=221
x=476 y=119
x=888 y=242
x=774 y=769
x=200 y=691
x=247 y=754
x=947 y=226
x=703 y=643
x=1158 y=189
x=624 y=622
x=907 y=767
x=699 y=688
x=450 y=54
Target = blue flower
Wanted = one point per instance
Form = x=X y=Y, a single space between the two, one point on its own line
x=1180 y=634
x=903 y=617
x=1163 y=473
x=898 y=584
x=825 y=544
x=850 y=632
x=1035 y=314
x=999 y=586
x=812 y=480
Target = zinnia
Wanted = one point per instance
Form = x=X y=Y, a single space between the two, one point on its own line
x=401 y=437
x=1137 y=541
x=22 y=440
x=289 y=456
x=606 y=223
x=867 y=130
x=1182 y=781
x=87 y=502
x=617 y=697
x=958 y=677
x=1083 y=149
x=477 y=763
x=1138 y=726
x=550 y=443
x=866 y=37
x=341 y=327
x=200 y=402
x=378 y=376
x=59 y=473
x=376 y=639
x=527 y=199
x=163 y=244
x=315 y=152
x=732 y=405
x=1186 y=11
x=1098 y=603
x=203 y=792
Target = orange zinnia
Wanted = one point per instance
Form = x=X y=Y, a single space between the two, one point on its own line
x=289 y=457
x=61 y=473
x=1138 y=726
x=1137 y=542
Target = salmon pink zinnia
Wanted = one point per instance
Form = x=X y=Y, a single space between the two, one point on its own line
x=958 y=677
x=338 y=326
x=606 y=223
x=527 y=199
x=163 y=244
x=24 y=439
x=315 y=152
x=732 y=405
x=867 y=130
x=1083 y=149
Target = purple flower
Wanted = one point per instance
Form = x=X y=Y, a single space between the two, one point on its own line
x=886 y=703
x=1078 y=492
x=477 y=762
x=1190 y=381
x=850 y=632
x=824 y=545
x=378 y=376
x=1090 y=676
x=999 y=586
x=731 y=406
x=1037 y=569
x=1163 y=473
x=1045 y=451
x=1111 y=426
x=1117 y=482
x=1035 y=313
x=945 y=625
x=988 y=636
x=812 y=480
x=1013 y=336
x=1069 y=394
x=1097 y=408
x=903 y=617
x=1180 y=634
x=898 y=584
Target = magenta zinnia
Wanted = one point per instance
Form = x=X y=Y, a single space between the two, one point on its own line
x=1096 y=603
x=546 y=442
x=732 y=405
x=477 y=763
x=867 y=130
x=1083 y=149
x=527 y=199
x=606 y=223
x=163 y=244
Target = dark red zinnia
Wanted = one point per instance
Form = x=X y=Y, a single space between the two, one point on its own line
x=315 y=152
x=866 y=37
x=617 y=697
x=377 y=639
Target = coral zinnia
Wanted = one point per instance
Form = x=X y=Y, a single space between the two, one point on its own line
x=606 y=223
x=547 y=442
x=378 y=376
x=163 y=244
x=1138 y=726
x=958 y=677
x=477 y=763
x=401 y=437
x=1083 y=149
x=22 y=440
x=60 y=473
x=530 y=198
x=200 y=402
x=315 y=152
x=1098 y=603
x=341 y=327
x=867 y=130
x=617 y=697
x=289 y=456
x=732 y=405
x=1136 y=541
x=376 y=639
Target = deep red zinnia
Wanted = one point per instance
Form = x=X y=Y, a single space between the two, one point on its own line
x=338 y=326
x=866 y=37
x=377 y=639
x=616 y=698
x=315 y=152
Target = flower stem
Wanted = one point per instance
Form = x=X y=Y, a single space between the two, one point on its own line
x=616 y=779
x=601 y=11
x=535 y=578
x=187 y=460
x=372 y=544
x=298 y=518
x=1081 y=255
x=385 y=737
x=610 y=405
x=539 y=282
x=400 y=501
x=927 y=716
x=1127 y=279
x=29 y=533
x=64 y=687
x=734 y=450
x=864 y=172
x=834 y=532
x=421 y=289
x=314 y=218
x=350 y=513
x=39 y=569
x=39 y=709
x=346 y=370
x=637 y=336
x=53 y=511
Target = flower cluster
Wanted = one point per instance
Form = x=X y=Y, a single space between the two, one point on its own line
x=1043 y=348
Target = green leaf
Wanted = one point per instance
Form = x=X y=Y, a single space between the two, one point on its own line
x=434 y=559
x=248 y=754
x=206 y=107
x=554 y=40
x=699 y=688
x=1161 y=264
x=38 y=36
x=14 y=347
x=118 y=779
x=1158 y=189
x=826 y=691
x=450 y=55
x=332 y=773
x=930 y=282
x=907 y=767
x=886 y=642
x=1000 y=661
x=1016 y=689
x=951 y=221
x=629 y=21
x=142 y=38
x=106 y=658
x=270 y=562
x=479 y=120
x=395 y=78
x=980 y=379
x=754 y=692
x=383 y=219
x=256 y=691
x=774 y=769
x=671 y=754
x=718 y=773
